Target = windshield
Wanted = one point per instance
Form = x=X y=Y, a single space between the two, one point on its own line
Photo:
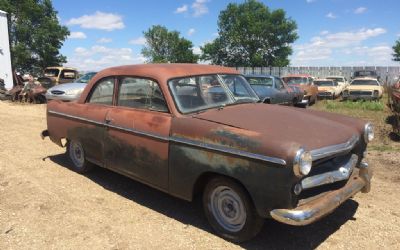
x=365 y=82
x=266 y=81
x=51 y=72
x=86 y=77
x=196 y=93
x=325 y=83
x=295 y=80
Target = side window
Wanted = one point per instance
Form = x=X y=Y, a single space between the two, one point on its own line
x=142 y=94
x=278 y=83
x=103 y=92
x=310 y=81
x=68 y=74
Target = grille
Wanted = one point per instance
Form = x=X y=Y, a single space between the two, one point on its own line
x=57 y=92
x=360 y=92
x=324 y=93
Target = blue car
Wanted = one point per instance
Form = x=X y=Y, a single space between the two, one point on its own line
x=271 y=89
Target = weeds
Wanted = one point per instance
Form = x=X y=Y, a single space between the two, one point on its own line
x=360 y=105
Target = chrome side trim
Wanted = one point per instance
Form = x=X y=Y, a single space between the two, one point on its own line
x=129 y=130
x=228 y=150
x=334 y=149
x=343 y=173
x=180 y=140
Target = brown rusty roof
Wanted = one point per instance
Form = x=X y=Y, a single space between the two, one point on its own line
x=163 y=72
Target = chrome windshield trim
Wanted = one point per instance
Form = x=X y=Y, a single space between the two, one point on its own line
x=334 y=149
x=343 y=173
x=228 y=150
x=180 y=140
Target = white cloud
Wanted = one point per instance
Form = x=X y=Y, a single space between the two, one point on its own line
x=191 y=31
x=199 y=8
x=99 y=20
x=310 y=1
x=197 y=50
x=104 y=40
x=328 y=46
x=100 y=57
x=360 y=10
x=138 y=41
x=324 y=32
x=77 y=35
x=182 y=9
x=331 y=15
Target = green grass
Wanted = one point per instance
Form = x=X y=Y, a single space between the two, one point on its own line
x=358 y=105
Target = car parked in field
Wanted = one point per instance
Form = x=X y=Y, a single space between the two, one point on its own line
x=271 y=89
x=189 y=129
x=56 y=75
x=69 y=91
x=341 y=80
x=306 y=84
x=363 y=89
x=365 y=73
x=328 y=88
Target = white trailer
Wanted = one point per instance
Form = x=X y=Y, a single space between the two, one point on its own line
x=5 y=57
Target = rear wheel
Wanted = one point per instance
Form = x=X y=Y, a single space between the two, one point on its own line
x=230 y=210
x=77 y=156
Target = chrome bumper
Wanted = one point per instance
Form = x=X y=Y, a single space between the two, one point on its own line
x=312 y=211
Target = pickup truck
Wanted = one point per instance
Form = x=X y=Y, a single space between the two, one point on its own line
x=189 y=129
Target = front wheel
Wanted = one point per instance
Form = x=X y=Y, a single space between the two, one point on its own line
x=77 y=156
x=230 y=210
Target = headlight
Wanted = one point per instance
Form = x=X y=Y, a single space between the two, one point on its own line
x=302 y=162
x=368 y=132
x=376 y=93
x=73 y=91
x=346 y=92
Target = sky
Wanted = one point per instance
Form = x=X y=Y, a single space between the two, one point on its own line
x=107 y=33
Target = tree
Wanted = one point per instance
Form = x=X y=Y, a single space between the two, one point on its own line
x=36 y=35
x=251 y=35
x=396 y=50
x=167 y=46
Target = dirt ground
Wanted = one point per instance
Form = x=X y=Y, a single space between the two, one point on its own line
x=44 y=205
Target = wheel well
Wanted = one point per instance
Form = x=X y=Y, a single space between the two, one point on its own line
x=267 y=100
x=203 y=179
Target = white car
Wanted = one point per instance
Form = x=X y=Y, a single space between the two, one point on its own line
x=341 y=80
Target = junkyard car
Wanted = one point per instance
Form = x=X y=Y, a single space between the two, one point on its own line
x=69 y=91
x=363 y=89
x=197 y=129
x=328 y=88
x=341 y=80
x=394 y=105
x=271 y=89
x=366 y=74
x=306 y=84
x=57 y=75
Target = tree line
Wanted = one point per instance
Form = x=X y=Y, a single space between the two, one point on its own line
x=249 y=35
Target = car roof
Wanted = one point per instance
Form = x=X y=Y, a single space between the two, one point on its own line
x=163 y=72
x=365 y=78
x=254 y=75
x=323 y=79
x=335 y=76
x=60 y=67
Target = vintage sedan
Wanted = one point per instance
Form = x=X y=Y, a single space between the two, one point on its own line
x=271 y=89
x=306 y=84
x=363 y=89
x=192 y=130
x=328 y=88
x=69 y=91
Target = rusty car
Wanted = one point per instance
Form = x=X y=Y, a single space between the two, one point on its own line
x=272 y=90
x=306 y=83
x=57 y=75
x=328 y=88
x=189 y=130
x=394 y=105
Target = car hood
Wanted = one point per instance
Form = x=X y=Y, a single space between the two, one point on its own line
x=270 y=130
x=363 y=87
x=69 y=86
x=326 y=88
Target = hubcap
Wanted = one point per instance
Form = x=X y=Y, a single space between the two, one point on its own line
x=228 y=208
x=77 y=155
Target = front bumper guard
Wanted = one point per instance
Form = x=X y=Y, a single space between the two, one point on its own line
x=314 y=210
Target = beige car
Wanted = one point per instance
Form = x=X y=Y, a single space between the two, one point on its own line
x=328 y=88
x=363 y=89
x=56 y=75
